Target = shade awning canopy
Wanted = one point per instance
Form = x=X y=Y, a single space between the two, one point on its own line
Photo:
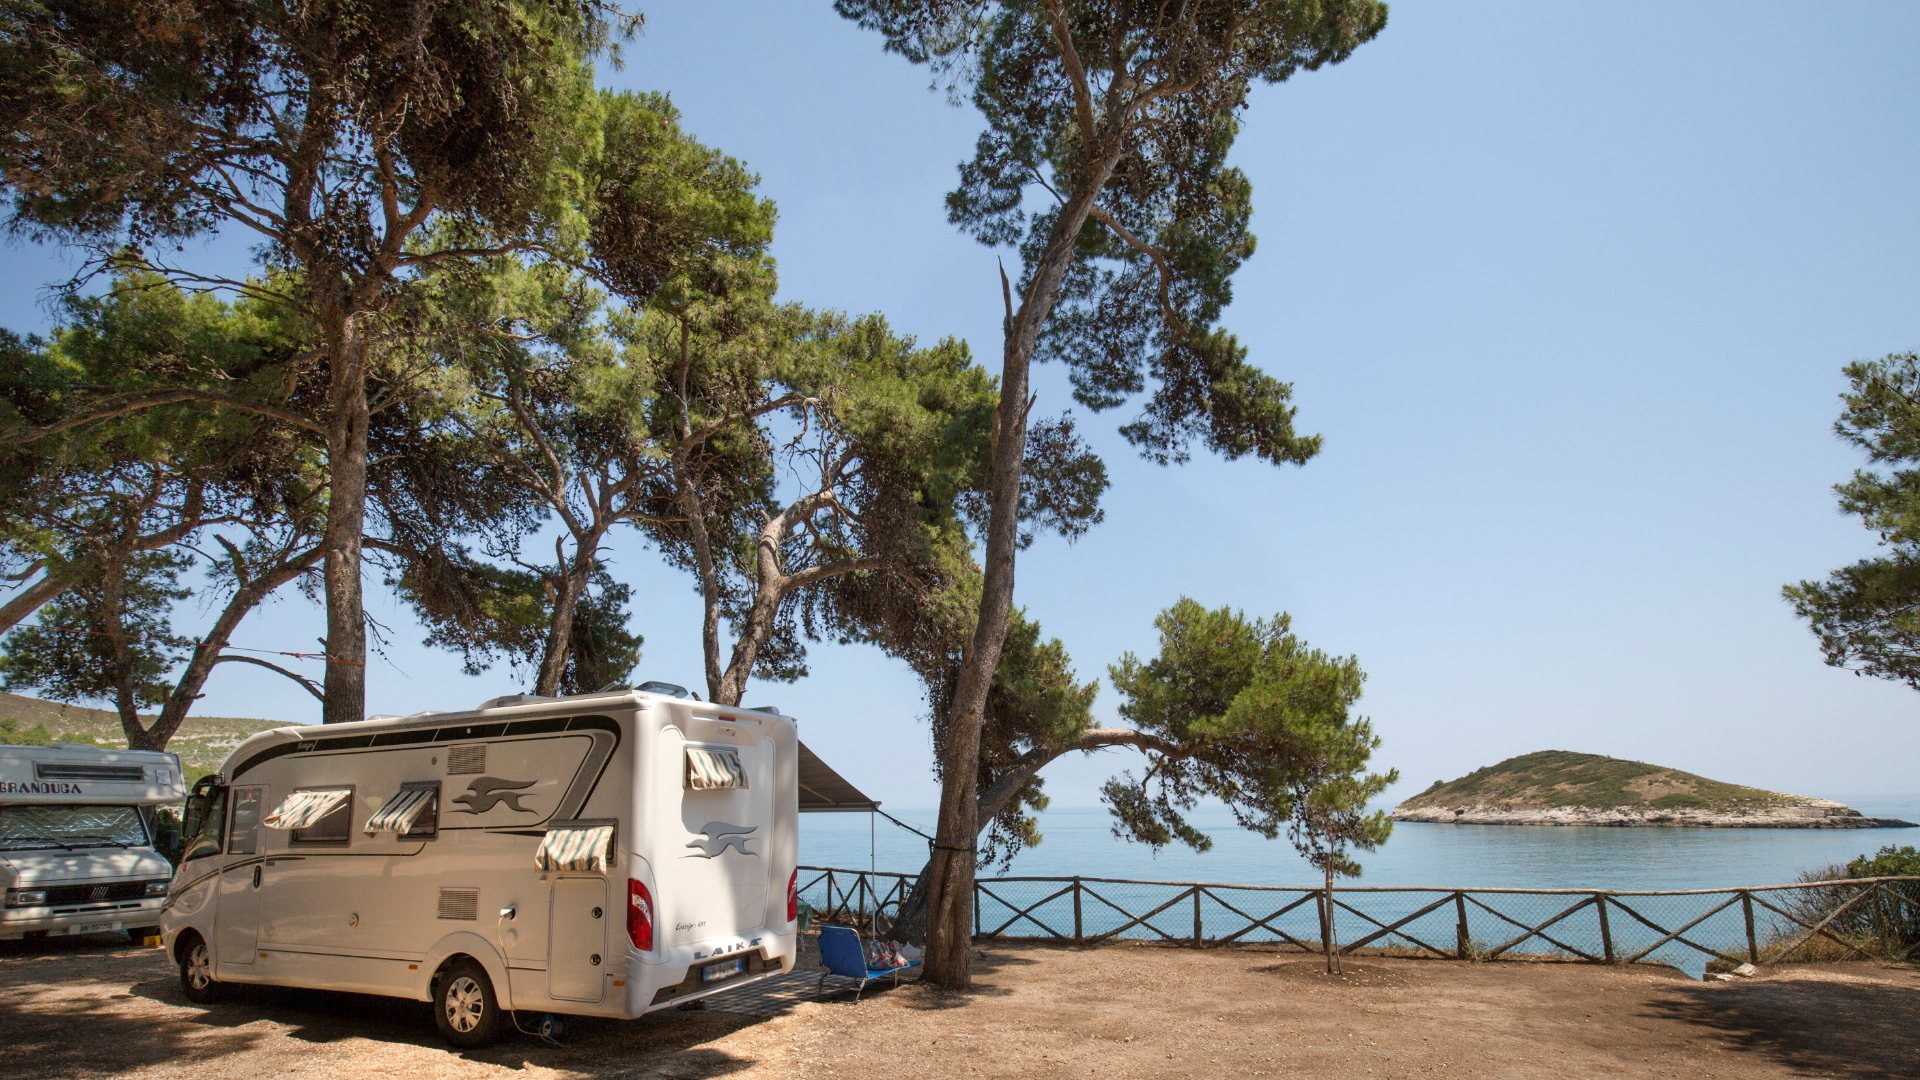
x=581 y=847
x=822 y=790
x=302 y=808
x=400 y=812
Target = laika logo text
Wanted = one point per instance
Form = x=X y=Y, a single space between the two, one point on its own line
x=488 y=792
x=723 y=950
x=718 y=836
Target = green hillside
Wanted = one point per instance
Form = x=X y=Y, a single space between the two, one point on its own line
x=202 y=741
x=1557 y=778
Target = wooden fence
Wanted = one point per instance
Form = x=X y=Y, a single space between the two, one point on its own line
x=1680 y=927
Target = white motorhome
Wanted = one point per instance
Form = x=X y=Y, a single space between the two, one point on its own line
x=602 y=855
x=77 y=831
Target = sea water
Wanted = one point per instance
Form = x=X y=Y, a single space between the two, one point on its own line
x=1080 y=841
x=1432 y=858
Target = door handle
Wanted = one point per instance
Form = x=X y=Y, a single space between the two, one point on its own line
x=256 y=875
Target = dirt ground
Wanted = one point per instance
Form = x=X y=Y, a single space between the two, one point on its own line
x=88 y=1008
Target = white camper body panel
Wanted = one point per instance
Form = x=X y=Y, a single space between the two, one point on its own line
x=382 y=913
x=76 y=838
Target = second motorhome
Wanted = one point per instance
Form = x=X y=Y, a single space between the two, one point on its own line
x=77 y=839
x=602 y=855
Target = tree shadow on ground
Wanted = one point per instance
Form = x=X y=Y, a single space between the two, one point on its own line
x=1861 y=1029
x=64 y=1010
x=1310 y=972
x=75 y=1007
x=665 y=1043
x=987 y=965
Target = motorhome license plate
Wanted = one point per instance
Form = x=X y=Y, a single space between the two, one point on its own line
x=716 y=972
x=92 y=928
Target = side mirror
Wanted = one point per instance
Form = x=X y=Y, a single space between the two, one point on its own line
x=205 y=809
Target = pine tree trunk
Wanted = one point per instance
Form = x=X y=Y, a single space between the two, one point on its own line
x=949 y=949
x=247 y=596
x=1333 y=961
x=731 y=687
x=566 y=601
x=347 y=419
x=31 y=599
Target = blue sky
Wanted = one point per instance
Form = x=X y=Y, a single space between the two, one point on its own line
x=1567 y=288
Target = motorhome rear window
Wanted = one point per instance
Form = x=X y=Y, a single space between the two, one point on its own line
x=58 y=828
x=711 y=768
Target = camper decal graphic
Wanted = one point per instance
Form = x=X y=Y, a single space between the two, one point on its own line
x=718 y=836
x=487 y=792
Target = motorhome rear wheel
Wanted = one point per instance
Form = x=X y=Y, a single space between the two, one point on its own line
x=464 y=1007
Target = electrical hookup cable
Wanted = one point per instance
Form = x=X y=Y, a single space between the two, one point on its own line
x=506 y=971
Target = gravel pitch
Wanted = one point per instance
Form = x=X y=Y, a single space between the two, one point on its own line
x=96 y=1007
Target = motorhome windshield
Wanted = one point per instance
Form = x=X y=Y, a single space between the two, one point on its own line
x=68 y=827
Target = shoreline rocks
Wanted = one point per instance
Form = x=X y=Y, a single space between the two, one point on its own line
x=1813 y=814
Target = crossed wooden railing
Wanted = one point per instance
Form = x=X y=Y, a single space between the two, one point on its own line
x=1856 y=915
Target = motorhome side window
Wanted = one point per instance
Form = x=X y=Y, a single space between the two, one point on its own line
x=206 y=815
x=243 y=837
x=427 y=823
x=413 y=813
x=333 y=827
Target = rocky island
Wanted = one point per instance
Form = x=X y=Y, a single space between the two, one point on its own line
x=1559 y=787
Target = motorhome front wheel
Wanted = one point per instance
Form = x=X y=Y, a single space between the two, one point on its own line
x=196 y=971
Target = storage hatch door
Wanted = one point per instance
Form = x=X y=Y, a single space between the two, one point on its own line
x=577 y=939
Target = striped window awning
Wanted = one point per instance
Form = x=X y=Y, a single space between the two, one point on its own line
x=399 y=813
x=302 y=808
x=581 y=848
x=711 y=769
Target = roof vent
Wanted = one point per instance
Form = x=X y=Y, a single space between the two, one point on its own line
x=512 y=699
x=466 y=760
x=667 y=688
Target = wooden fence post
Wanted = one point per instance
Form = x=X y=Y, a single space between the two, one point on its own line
x=1753 y=943
x=1196 y=914
x=1606 y=931
x=1460 y=917
x=1079 y=930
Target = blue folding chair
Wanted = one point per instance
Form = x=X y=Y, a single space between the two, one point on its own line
x=841 y=953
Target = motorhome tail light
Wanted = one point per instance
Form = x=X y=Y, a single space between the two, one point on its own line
x=639 y=916
x=26 y=897
x=793 y=897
